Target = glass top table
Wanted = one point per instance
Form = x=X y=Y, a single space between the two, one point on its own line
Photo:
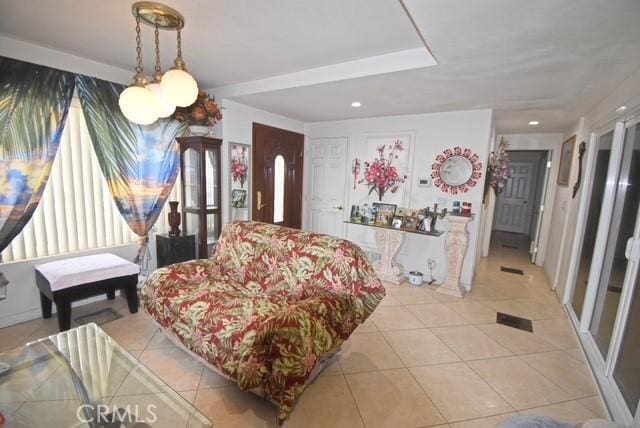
x=83 y=378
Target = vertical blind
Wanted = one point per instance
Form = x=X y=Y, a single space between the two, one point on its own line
x=76 y=212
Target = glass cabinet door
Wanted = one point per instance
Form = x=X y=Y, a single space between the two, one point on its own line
x=211 y=171
x=191 y=184
x=200 y=160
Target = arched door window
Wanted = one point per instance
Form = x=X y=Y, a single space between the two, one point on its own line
x=278 y=189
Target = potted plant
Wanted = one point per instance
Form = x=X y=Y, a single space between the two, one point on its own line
x=201 y=116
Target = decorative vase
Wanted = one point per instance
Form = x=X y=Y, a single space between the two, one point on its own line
x=174 y=218
x=200 y=130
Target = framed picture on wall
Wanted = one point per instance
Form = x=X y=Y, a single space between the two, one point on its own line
x=566 y=155
x=239 y=181
x=239 y=198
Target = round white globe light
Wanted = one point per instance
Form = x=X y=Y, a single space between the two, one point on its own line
x=138 y=105
x=164 y=107
x=180 y=87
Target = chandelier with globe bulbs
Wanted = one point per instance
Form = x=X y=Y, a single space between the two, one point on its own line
x=143 y=102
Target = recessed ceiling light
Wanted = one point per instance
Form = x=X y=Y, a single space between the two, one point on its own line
x=356 y=104
x=534 y=123
x=621 y=109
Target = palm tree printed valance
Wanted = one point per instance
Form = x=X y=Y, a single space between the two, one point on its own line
x=140 y=163
x=34 y=102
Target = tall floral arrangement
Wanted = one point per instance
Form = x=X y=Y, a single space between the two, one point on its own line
x=381 y=175
x=498 y=171
x=203 y=112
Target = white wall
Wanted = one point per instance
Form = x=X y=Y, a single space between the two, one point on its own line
x=430 y=134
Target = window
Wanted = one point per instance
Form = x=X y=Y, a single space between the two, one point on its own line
x=278 y=190
x=77 y=211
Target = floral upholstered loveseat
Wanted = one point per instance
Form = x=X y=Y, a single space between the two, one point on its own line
x=269 y=306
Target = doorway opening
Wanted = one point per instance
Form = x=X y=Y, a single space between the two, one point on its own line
x=519 y=209
x=278 y=157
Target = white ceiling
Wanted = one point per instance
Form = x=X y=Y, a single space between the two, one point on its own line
x=224 y=41
x=546 y=60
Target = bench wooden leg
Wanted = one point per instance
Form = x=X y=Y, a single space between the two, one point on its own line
x=45 y=305
x=131 y=291
x=63 y=308
x=111 y=294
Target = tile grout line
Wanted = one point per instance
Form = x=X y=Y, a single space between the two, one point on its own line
x=353 y=397
x=414 y=378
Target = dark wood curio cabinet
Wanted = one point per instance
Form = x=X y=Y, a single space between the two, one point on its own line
x=201 y=201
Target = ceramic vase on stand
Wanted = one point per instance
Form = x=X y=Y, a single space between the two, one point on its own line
x=201 y=130
x=174 y=219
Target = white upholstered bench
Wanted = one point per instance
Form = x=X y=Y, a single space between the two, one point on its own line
x=65 y=281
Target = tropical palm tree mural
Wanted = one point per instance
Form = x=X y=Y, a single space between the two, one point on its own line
x=34 y=102
x=140 y=163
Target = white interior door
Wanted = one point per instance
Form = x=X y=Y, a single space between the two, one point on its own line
x=513 y=207
x=544 y=170
x=327 y=185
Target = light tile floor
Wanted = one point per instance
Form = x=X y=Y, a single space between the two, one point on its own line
x=422 y=359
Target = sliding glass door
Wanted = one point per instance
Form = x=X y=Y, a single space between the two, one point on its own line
x=615 y=263
x=605 y=295
x=602 y=154
x=627 y=369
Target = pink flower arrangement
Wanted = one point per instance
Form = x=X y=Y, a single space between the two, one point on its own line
x=239 y=167
x=498 y=171
x=380 y=175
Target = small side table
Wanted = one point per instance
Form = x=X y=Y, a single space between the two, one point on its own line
x=455 y=249
x=174 y=249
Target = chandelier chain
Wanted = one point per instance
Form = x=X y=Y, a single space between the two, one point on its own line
x=157 y=36
x=179 y=44
x=139 y=67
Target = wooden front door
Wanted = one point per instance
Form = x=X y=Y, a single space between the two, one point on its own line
x=277 y=176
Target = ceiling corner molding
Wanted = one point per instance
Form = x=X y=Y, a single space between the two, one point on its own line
x=50 y=57
x=408 y=59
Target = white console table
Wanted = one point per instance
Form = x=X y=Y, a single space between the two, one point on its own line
x=388 y=242
x=455 y=248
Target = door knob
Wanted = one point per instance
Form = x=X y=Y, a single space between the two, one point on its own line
x=338 y=207
x=524 y=202
x=259 y=204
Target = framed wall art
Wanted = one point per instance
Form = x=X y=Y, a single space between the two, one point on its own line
x=566 y=156
x=239 y=181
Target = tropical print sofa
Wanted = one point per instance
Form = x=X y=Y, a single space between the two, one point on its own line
x=268 y=306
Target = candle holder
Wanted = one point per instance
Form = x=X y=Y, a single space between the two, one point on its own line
x=430 y=217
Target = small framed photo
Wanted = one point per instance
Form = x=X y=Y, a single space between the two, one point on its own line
x=566 y=156
x=425 y=225
x=410 y=222
x=238 y=198
x=384 y=213
x=397 y=222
